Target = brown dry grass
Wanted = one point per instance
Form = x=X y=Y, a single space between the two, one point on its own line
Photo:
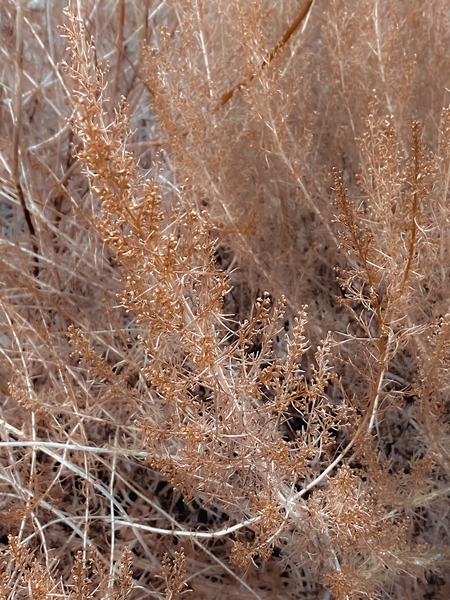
x=178 y=180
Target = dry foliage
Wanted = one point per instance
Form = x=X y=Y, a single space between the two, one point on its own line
x=162 y=165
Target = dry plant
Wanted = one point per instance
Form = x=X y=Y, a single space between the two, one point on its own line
x=151 y=391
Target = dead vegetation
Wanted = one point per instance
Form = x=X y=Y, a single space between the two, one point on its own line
x=224 y=299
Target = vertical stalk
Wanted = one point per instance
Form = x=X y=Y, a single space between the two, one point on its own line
x=18 y=128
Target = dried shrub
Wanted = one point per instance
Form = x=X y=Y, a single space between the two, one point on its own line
x=153 y=392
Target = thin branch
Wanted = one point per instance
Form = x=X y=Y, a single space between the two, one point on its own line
x=18 y=129
x=283 y=41
x=119 y=47
x=191 y=534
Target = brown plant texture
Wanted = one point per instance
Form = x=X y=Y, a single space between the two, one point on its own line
x=224 y=301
